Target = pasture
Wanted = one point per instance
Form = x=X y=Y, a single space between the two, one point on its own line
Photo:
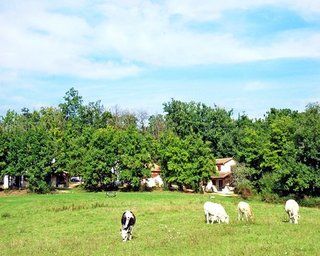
x=168 y=223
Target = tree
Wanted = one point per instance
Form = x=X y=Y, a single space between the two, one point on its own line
x=211 y=124
x=72 y=104
x=157 y=125
x=142 y=118
x=134 y=157
x=116 y=155
x=122 y=119
x=94 y=115
x=185 y=161
x=101 y=159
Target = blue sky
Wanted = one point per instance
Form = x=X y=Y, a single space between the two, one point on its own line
x=247 y=55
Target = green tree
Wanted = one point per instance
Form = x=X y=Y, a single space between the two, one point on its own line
x=72 y=104
x=212 y=124
x=185 y=161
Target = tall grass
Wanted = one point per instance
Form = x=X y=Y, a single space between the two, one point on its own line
x=168 y=223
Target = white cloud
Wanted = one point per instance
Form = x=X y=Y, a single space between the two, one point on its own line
x=212 y=10
x=37 y=38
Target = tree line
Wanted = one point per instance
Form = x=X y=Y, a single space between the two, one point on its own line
x=278 y=154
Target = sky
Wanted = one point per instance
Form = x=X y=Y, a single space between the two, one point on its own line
x=248 y=55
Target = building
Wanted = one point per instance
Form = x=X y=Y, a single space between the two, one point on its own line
x=155 y=170
x=224 y=167
x=13 y=182
x=60 y=180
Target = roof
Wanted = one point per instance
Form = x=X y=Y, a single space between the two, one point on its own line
x=222 y=175
x=223 y=160
x=155 y=168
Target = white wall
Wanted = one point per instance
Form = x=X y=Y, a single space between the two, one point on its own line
x=6 y=182
x=227 y=166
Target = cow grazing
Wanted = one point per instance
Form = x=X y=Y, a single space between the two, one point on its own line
x=292 y=209
x=128 y=220
x=244 y=211
x=215 y=213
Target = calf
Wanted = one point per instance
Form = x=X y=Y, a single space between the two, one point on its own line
x=128 y=220
x=215 y=213
x=292 y=209
x=244 y=210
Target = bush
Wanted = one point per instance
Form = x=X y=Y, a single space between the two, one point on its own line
x=310 y=202
x=269 y=197
x=40 y=187
x=241 y=176
x=245 y=190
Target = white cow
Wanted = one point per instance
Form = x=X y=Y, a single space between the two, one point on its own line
x=215 y=213
x=128 y=220
x=244 y=210
x=292 y=209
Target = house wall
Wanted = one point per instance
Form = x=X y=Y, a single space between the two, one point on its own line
x=11 y=182
x=227 y=166
x=155 y=174
x=221 y=183
x=6 y=182
x=53 y=181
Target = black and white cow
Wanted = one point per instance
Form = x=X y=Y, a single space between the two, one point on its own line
x=128 y=220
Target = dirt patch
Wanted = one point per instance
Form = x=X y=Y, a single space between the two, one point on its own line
x=13 y=192
x=74 y=185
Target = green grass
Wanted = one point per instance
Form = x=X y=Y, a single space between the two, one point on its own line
x=168 y=223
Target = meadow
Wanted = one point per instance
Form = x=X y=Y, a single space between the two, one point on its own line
x=168 y=223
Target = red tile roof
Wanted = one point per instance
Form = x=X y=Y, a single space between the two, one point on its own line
x=222 y=175
x=223 y=160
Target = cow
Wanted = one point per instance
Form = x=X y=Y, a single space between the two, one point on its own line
x=215 y=213
x=292 y=209
x=127 y=221
x=244 y=210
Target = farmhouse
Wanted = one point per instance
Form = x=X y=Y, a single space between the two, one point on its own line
x=155 y=181
x=16 y=182
x=60 y=180
x=155 y=170
x=224 y=167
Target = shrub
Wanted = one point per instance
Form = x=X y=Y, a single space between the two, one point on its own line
x=244 y=189
x=310 y=202
x=39 y=186
x=269 y=197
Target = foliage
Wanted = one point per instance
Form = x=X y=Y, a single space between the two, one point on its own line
x=241 y=180
x=280 y=152
x=211 y=124
x=185 y=161
x=116 y=155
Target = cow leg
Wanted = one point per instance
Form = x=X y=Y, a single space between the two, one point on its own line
x=207 y=217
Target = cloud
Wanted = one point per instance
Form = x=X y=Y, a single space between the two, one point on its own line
x=37 y=40
x=213 y=10
x=58 y=38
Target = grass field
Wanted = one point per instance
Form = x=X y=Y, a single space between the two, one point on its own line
x=168 y=223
